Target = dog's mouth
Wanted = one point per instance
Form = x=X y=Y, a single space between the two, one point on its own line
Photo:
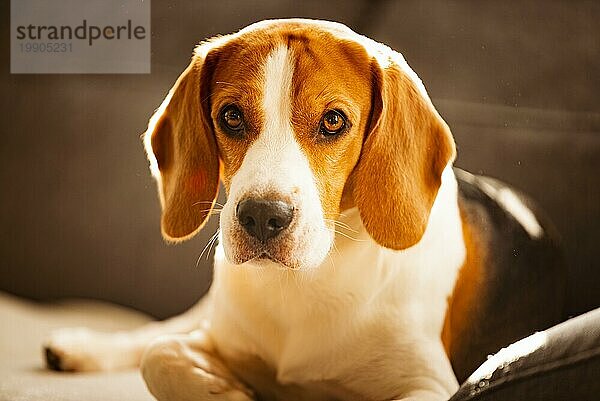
x=266 y=257
x=242 y=248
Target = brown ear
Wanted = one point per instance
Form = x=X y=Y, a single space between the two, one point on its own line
x=183 y=154
x=404 y=154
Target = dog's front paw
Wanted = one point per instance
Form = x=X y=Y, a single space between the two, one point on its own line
x=184 y=368
x=80 y=349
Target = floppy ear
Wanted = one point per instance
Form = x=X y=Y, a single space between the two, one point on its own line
x=404 y=154
x=182 y=152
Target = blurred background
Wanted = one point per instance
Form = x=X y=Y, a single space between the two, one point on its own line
x=518 y=83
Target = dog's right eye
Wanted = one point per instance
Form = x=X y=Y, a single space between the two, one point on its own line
x=232 y=119
x=332 y=123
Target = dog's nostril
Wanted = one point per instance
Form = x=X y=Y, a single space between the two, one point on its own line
x=275 y=224
x=247 y=221
x=264 y=219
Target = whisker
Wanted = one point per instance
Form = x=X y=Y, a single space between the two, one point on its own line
x=212 y=245
x=225 y=83
x=213 y=242
x=322 y=90
x=348 y=236
x=342 y=225
x=279 y=279
x=334 y=215
x=209 y=202
x=214 y=236
x=207 y=97
x=332 y=262
x=211 y=210
x=335 y=248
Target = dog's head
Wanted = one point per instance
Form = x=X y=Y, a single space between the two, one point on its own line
x=299 y=119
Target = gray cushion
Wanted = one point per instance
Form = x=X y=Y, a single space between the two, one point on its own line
x=23 y=376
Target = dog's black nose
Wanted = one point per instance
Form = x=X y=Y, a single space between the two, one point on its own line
x=264 y=219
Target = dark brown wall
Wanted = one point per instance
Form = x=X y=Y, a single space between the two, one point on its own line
x=518 y=83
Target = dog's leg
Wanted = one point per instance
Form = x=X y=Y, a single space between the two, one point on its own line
x=422 y=373
x=186 y=367
x=82 y=349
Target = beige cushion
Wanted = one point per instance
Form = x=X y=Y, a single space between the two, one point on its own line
x=23 y=376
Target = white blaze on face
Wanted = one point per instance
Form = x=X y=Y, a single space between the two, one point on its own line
x=276 y=166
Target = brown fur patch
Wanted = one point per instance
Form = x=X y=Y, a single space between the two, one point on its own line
x=467 y=290
x=237 y=81
x=400 y=168
x=182 y=143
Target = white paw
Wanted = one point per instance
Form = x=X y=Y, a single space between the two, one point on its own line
x=81 y=349
x=174 y=369
x=192 y=384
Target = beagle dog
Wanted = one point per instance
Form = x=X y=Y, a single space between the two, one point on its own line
x=354 y=262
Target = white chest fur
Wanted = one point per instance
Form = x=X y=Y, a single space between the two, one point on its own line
x=362 y=303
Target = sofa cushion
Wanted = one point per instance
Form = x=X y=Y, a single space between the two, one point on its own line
x=23 y=376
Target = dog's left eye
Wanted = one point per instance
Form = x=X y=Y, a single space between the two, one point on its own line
x=332 y=123
x=232 y=119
